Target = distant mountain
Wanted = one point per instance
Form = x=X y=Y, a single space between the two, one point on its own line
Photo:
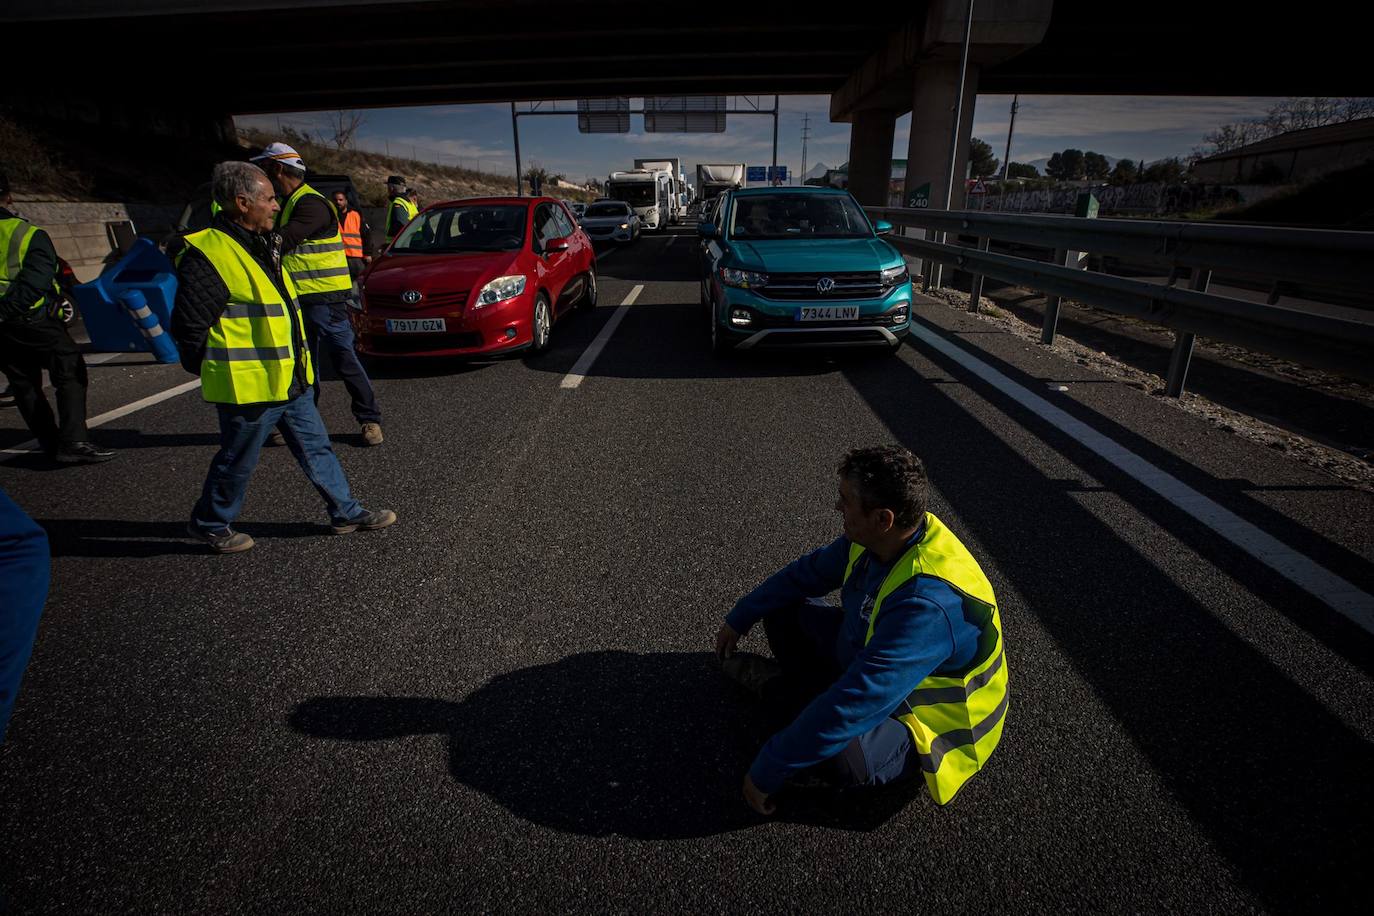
x=819 y=171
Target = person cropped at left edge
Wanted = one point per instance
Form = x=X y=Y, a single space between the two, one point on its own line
x=239 y=327
x=32 y=340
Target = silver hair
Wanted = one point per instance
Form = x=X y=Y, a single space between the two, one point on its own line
x=232 y=179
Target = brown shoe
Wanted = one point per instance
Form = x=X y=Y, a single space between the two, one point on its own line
x=275 y=438
x=368 y=521
x=751 y=671
x=372 y=433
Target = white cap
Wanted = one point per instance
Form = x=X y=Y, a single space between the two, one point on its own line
x=280 y=152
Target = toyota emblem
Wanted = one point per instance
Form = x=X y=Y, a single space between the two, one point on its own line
x=824 y=285
x=411 y=296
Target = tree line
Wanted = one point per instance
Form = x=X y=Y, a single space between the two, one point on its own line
x=1077 y=165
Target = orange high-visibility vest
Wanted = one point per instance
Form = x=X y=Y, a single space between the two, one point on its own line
x=353 y=234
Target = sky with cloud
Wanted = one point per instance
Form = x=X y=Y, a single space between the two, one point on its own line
x=1123 y=127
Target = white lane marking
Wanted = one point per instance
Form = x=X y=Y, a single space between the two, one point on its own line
x=671 y=240
x=579 y=371
x=95 y=359
x=25 y=448
x=1342 y=596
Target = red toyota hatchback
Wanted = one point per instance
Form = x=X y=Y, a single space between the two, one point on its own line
x=475 y=277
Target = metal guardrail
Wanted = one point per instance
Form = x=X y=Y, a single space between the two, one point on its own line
x=1313 y=259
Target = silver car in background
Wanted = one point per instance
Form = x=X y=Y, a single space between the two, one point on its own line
x=610 y=221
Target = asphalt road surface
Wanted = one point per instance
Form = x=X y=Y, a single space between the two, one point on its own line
x=507 y=702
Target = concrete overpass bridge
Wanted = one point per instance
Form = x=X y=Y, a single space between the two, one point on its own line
x=179 y=67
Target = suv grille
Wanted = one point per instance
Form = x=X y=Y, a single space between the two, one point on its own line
x=867 y=285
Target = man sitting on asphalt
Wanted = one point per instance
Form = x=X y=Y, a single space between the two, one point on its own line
x=907 y=676
x=239 y=327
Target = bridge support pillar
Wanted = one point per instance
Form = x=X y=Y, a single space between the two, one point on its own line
x=933 y=104
x=870 y=156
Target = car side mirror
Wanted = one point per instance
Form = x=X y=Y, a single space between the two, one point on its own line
x=554 y=245
x=882 y=228
x=707 y=230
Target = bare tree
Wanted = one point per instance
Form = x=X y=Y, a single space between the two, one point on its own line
x=1284 y=116
x=344 y=127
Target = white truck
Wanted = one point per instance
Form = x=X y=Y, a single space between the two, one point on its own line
x=649 y=192
x=712 y=179
x=674 y=168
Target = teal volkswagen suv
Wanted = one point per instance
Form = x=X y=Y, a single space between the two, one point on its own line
x=800 y=267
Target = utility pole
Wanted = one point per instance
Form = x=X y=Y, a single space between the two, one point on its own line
x=1007 y=160
x=806 y=135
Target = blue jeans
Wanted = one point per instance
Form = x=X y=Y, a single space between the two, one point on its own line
x=803 y=639
x=242 y=431
x=327 y=328
x=24 y=572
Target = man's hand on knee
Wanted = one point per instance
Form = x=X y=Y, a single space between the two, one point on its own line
x=726 y=638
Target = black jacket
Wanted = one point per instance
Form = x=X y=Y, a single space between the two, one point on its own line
x=312 y=218
x=35 y=275
x=202 y=296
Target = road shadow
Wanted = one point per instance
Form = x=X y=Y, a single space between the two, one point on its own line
x=139 y=540
x=1270 y=772
x=648 y=746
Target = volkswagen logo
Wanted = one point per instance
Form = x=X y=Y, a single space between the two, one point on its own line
x=412 y=296
x=824 y=285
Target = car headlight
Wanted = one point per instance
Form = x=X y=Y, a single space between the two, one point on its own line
x=499 y=290
x=743 y=279
x=624 y=225
x=895 y=275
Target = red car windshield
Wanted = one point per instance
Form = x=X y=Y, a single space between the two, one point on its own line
x=481 y=227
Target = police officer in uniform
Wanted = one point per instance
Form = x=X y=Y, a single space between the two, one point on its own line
x=33 y=339
x=314 y=254
x=239 y=327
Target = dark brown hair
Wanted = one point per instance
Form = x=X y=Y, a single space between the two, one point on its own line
x=888 y=477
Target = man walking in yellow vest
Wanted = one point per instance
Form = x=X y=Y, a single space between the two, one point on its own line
x=314 y=255
x=905 y=678
x=239 y=327
x=32 y=340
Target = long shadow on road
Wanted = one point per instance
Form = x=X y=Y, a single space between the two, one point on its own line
x=1270 y=773
x=136 y=540
x=600 y=743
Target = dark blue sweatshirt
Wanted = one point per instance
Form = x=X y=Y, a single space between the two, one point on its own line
x=920 y=631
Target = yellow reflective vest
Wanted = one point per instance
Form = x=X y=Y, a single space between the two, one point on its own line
x=251 y=352
x=15 y=237
x=405 y=204
x=316 y=265
x=955 y=720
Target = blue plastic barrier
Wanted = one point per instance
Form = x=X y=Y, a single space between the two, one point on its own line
x=144 y=269
x=136 y=305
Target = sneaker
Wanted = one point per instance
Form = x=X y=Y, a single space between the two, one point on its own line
x=372 y=433
x=368 y=521
x=751 y=671
x=82 y=453
x=276 y=438
x=226 y=541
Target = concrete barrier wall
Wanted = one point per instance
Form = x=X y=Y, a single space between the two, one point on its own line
x=83 y=235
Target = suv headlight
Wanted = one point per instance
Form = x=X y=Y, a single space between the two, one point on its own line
x=499 y=290
x=743 y=279
x=892 y=276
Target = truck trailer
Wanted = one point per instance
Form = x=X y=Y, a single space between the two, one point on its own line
x=712 y=179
